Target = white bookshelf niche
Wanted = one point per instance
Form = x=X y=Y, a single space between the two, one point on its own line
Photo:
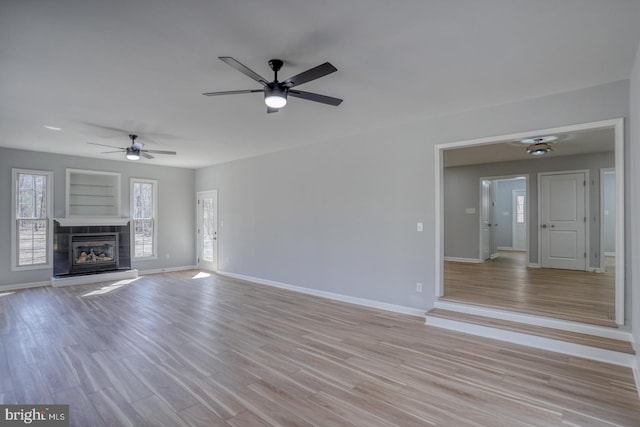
x=92 y=193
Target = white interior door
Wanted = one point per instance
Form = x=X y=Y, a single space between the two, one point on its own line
x=486 y=219
x=207 y=207
x=519 y=220
x=563 y=221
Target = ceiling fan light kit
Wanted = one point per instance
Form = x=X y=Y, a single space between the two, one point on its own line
x=276 y=92
x=133 y=154
x=135 y=150
x=275 y=97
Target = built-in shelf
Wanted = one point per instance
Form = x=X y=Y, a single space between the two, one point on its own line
x=92 y=193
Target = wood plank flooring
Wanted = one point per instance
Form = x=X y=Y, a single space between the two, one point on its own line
x=507 y=283
x=180 y=349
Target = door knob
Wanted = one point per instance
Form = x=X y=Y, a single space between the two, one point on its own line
x=543 y=226
x=553 y=226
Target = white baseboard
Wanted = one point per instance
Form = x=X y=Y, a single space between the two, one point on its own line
x=58 y=282
x=494 y=256
x=329 y=295
x=509 y=248
x=533 y=265
x=609 y=254
x=456 y=259
x=18 y=286
x=636 y=373
x=592 y=353
x=167 y=270
x=530 y=319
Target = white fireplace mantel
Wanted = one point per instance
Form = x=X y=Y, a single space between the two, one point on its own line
x=92 y=220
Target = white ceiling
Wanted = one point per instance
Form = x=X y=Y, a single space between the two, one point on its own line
x=567 y=144
x=101 y=69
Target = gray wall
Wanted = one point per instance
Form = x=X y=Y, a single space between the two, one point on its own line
x=608 y=199
x=341 y=216
x=461 y=234
x=634 y=235
x=176 y=200
x=504 y=210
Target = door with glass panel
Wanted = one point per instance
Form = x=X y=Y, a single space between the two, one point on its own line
x=207 y=208
x=518 y=225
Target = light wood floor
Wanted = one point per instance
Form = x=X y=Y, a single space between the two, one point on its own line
x=174 y=350
x=507 y=283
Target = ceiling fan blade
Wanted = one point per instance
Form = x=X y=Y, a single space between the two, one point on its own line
x=272 y=110
x=146 y=156
x=311 y=74
x=232 y=92
x=105 y=145
x=310 y=96
x=109 y=152
x=159 y=152
x=244 y=69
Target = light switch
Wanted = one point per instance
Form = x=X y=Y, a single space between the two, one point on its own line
x=419 y=226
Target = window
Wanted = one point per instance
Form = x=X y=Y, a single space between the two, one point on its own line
x=31 y=214
x=143 y=214
x=520 y=209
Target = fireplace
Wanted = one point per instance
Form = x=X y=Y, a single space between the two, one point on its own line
x=90 y=249
x=93 y=252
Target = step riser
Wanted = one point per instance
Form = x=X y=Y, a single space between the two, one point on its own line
x=592 y=353
x=598 y=331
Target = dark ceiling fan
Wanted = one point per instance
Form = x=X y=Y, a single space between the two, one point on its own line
x=134 y=151
x=276 y=92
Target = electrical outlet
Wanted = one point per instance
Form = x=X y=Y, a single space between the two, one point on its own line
x=418 y=287
x=419 y=226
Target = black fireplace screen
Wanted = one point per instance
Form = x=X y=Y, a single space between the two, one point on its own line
x=94 y=252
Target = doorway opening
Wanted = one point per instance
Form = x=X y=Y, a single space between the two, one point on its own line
x=576 y=148
x=207 y=232
x=504 y=217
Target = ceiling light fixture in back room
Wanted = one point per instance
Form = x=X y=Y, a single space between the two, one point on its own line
x=538 y=149
x=539 y=145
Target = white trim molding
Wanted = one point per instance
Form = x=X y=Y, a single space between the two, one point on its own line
x=18 y=286
x=91 y=221
x=636 y=375
x=457 y=259
x=167 y=270
x=329 y=295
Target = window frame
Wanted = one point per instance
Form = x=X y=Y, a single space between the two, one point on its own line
x=154 y=219
x=14 y=220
